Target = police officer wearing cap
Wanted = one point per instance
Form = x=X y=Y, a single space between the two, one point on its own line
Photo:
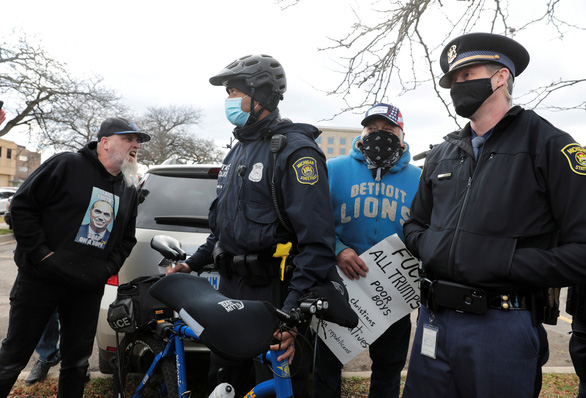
x=380 y=160
x=272 y=189
x=497 y=219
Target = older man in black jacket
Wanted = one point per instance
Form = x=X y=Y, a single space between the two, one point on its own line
x=58 y=272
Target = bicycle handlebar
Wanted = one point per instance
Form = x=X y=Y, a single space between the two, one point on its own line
x=169 y=247
x=307 y=308
x=204 y=305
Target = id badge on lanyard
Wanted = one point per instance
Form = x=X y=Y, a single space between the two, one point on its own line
x=429 y=338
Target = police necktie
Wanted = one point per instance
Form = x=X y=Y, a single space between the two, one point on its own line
x=477 y=143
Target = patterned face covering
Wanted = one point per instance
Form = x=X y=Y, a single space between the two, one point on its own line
x=381 y=149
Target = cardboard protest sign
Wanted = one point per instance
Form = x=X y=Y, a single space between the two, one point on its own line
x=387 y=293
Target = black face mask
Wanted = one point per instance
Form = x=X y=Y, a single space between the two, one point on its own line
x=469 y=95
x=381 y=149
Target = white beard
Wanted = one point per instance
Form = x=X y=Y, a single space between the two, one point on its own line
x=129 y=169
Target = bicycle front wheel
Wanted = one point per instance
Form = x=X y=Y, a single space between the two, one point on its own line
x=137 y=352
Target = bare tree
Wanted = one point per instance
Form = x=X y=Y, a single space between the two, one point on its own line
x=59 y=109
x=74 y=121
x=396 y=48
x=172 y=136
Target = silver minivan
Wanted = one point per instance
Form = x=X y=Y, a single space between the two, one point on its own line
x=174 y=200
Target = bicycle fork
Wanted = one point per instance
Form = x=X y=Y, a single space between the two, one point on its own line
x=176 y=347
x=280 y=384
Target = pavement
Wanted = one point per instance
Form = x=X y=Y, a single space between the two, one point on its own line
x=558 y=335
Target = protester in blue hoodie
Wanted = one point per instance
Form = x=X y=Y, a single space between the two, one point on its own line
x=371 y=189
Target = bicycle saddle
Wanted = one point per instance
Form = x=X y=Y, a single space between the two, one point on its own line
x=233 y=329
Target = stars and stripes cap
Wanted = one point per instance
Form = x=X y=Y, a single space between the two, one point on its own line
x=389 y=112
x=481 y=48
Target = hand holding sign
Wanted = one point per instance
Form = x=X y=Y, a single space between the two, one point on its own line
x=387 y=293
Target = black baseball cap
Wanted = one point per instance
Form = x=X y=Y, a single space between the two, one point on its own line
x=119 y=125
x=480 y=48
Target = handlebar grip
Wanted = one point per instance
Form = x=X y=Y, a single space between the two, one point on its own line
x=292 y=318
x=169 y=247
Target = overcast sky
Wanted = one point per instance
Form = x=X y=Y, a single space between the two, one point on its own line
x=160 y=53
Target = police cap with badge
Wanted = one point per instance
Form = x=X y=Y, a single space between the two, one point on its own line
x=481 y=48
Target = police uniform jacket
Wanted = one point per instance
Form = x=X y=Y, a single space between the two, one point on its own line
x=513 y=219
x=243 y=216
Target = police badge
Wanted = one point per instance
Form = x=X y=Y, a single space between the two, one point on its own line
x=306 y=170
x=452 y=54
x=576 y=156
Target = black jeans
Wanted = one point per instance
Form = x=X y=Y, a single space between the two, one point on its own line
x=32 y=302
x=388 y=354
x=578 y=352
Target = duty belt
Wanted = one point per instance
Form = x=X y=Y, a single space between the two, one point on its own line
x=255 y=268
x=445 y=294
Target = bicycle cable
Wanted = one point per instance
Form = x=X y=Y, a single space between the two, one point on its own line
x=284 y=328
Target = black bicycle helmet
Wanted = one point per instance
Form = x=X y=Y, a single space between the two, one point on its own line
x=260 y=76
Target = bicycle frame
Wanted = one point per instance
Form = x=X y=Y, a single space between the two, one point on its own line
x=280 y=384
x=176 y=291
x=174 y=347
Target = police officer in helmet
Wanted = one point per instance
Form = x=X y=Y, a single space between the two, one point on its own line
x=272 y=189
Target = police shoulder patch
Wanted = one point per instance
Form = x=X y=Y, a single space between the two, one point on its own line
x=306 y=170
x=576 y=156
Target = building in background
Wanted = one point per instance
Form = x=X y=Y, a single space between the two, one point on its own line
x=336 y=141
x=26 y=162
x=16 y=163
x=7 y=162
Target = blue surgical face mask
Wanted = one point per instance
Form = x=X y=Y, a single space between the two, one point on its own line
x=234 y=111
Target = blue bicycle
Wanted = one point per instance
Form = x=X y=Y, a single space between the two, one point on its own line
x=206 y=316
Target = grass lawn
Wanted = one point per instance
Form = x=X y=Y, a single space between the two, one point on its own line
x=554 y=386
x=4 y=231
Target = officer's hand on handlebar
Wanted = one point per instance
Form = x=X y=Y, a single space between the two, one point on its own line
x=351 y=264
x=287 y=341
x=179 y=267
